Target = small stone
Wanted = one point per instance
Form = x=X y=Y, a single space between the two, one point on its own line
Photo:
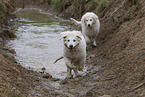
x=106 y=96
x=71 y=90
x=55 y=79
x=43 y=69
x=92 y=56
x=76 y=79
x=46 y=75
x=89 y=94
x=19 y=78
x=38 y=79
x=64 y=82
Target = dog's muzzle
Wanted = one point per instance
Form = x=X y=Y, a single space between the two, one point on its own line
x=71 y=47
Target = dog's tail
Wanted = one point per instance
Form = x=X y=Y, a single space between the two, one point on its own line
x=76 y=22
x=58 y=59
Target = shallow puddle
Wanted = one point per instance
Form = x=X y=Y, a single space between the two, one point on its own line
x=37 y=44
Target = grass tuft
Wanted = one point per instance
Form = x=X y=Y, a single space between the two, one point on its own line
x=58 y=4
x=99 y=4
x=102 y=5
x=6 y=7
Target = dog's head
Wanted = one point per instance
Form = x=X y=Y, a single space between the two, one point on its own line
x=71 y=39
x=89 y=21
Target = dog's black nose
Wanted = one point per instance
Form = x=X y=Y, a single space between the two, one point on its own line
x=71 y=46
x=89 y=25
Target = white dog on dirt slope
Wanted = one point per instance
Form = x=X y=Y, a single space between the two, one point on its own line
x=74 y=51
x=90 y=27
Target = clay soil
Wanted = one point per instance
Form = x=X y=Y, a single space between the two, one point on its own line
x=116 y=67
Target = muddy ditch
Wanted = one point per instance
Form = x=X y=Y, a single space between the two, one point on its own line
x=115 y=68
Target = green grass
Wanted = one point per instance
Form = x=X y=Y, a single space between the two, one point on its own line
x=6 y=7
x=102 y=5
x=58 y=4
x=93 y=4
x=99 y=4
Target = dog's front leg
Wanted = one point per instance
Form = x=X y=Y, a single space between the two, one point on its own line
x=68 y=76
x=81 y=66
x=76 y=73
x=94 y=43
x=69 y=64
x=69 y=67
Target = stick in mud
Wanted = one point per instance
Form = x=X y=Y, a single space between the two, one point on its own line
x=58 y=59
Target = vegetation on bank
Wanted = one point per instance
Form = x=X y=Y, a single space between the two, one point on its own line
x=6 y=29
x=6 y=9
x=89 y=4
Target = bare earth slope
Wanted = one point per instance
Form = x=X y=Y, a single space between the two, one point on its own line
x=121 y=50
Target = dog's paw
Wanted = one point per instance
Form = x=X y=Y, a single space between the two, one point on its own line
x=93 y=46
x=71 y=67
x=69 y=77
x=88 y=48
x=64 y=81
x=81 y=68
x=78 y=75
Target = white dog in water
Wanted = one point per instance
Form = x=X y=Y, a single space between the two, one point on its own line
x=74 y=51
x=90 y=27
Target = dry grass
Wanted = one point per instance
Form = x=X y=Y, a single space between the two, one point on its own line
x=7 y=5
x=6 y=8
x=58 y=4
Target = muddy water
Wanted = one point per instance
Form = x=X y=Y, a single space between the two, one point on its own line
x=37 y=44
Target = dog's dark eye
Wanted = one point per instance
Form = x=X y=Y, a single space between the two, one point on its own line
x=90 y=19
x=74 y=40
x=86 y=20
x=68 y=40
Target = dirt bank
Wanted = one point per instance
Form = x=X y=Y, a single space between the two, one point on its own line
x=121 y=50
x=14 y=79
x=116 y=66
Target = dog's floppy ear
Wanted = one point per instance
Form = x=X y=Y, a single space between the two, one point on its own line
x=95 y=19
x=79 y=37
x=63 y=35
x=78 y=34
x=84 y=20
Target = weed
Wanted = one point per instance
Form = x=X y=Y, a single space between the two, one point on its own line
x=92 y=5
x=99 y=4
x=6 y=56
x=7 y=6
x=58 y=4
x=102 y=5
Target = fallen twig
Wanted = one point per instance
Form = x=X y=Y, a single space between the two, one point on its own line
x=138 y=86
x=58 y=59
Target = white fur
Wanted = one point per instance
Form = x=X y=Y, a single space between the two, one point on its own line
x=74 y=55
x=90 y=27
